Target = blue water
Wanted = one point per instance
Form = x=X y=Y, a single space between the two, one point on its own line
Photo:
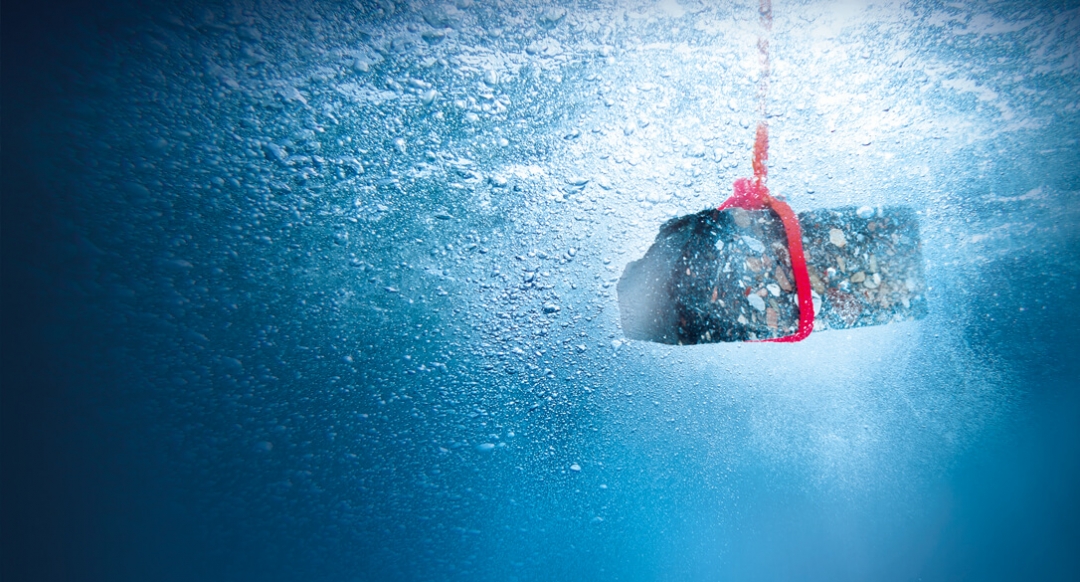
x=325 y=291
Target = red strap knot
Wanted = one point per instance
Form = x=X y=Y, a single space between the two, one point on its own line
x=752 y=194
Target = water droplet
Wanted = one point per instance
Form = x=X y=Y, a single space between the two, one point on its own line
x=551 y=16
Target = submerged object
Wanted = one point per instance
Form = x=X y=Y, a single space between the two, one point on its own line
x=753 y=270
x=724 y=275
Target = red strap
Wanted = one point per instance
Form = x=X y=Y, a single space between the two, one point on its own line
x=751 y=194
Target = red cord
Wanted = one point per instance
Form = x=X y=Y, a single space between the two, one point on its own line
x=752 y=194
